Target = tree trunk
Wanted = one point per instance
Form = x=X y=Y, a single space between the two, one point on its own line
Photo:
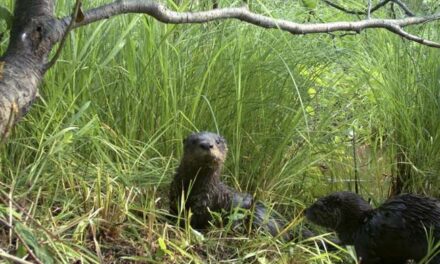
x=33 y=34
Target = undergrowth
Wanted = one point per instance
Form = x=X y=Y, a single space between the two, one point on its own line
x=84 y=176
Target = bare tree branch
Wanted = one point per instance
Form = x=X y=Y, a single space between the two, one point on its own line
x=35 y=31
x=382 y=3
x=369 y=9
x=74 y=16
x=393 y=12
x=404 y=7
x=355 y=12
x=401 y=32
x=163 y=14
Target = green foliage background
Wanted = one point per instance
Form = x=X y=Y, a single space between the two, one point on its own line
x=92 y=160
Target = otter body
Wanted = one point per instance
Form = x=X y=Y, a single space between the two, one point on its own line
x=198 y=179
x=393 y=233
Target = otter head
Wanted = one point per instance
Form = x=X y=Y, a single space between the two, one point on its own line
x=205 y=149
x=340 y=211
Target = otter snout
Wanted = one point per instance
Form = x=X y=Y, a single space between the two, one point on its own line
x=206 y=145
x=308 y=214
x=313 y=211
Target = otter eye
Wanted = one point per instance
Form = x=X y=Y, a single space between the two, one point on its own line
x=219 y=140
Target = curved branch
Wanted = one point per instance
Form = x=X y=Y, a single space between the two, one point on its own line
x=404 y=34
x=35 y=31
x=369 y=9
x=355 y=12
x=404 y=7
x=373 y=9
x=74 y=16
x=163 y=14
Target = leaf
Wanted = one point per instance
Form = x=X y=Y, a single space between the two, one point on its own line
x=310 y=110
x=121 y=42
x=68 y=138
x=162 y=244
x=6 y=211
x=163 y=247
x=21 y=251
x=199 y=236
x=262 y=260
x=237 y=215
x=6 y=15
x=310 y=4
x=311 y=92
x=32 y=242
x=80 y=113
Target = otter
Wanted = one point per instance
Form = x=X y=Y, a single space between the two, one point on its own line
x=198 y=179
x=394 y=233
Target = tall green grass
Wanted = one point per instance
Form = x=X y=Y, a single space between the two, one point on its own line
x=92 y=160
x=405 y=84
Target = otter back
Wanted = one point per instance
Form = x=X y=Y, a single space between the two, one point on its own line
x=395 y=232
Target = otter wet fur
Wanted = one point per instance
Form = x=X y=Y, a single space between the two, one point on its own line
x=394 y=233
x=198 y=178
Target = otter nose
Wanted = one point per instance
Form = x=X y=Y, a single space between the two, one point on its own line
x=206 y=145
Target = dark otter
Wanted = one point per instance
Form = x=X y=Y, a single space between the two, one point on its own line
x=395 y=232
x=198 y=178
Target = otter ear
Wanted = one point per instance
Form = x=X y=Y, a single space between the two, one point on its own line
x=185 y=140
x=221 y=139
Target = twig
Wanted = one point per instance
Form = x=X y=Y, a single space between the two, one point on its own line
x=343 y=9
x=21 y=209
x=5 y=255
x=369 y=10
x=355 y=12
x=66 y=33
x=10 y=218
x=165 y=15
x=342 y=34
x=404 y=7
x=4 y=223
x=399 y=31
x=356 y=168
x=393 y=12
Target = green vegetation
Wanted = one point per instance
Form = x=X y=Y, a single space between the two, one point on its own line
x=84 y=176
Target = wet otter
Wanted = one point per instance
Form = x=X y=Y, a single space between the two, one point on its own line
x=395 y=232
x=198 y=178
